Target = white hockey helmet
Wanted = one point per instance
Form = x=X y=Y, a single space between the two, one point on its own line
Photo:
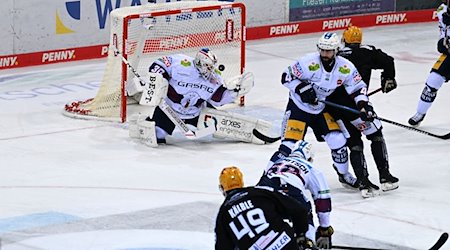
x=302 y=149
x=205 y=61
x=329 y=41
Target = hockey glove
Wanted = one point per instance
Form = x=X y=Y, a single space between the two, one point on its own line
x=366 y=112
x=306 y=92
x=305 y=243
x=388 y=84
x=323 y=237
x=446 y=18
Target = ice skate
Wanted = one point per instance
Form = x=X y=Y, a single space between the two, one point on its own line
x=416 y=119
x=388 y=182
x=347 y=180
x=368 y=189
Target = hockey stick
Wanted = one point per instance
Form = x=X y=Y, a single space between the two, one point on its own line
x=188 y=133
x=374 y=92
x=265 y=138
x=444 y=137
x=268 y=139
x=439 y=243
x=356 y=248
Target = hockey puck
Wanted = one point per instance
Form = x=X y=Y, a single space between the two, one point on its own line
x=221 y=67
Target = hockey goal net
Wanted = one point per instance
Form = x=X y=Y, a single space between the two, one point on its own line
x=144 y=33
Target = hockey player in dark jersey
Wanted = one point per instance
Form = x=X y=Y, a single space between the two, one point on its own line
x=366 y=58
x=254 y=217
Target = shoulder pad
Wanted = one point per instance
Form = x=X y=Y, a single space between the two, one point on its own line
x=345 y=51
x=369 y=47
x=265 y=188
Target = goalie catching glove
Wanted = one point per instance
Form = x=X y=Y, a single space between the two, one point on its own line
x=241 y=84
x=323 y=237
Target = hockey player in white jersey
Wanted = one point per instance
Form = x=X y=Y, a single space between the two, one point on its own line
x=310 y=80
x=295 y=175
x=190 y=85
x=440 y=72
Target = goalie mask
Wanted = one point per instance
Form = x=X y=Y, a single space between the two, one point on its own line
x=205 y=61
x=303 y=149
x=352 y=35
x=230 y=178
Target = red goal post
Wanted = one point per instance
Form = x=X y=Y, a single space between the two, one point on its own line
x=144 y=33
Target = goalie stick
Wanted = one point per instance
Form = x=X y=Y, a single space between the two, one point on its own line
x=444 y=137
x=265 y=138
x=439 y=243
x=188 y=133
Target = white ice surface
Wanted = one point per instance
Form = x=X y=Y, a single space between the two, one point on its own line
x=76 y=184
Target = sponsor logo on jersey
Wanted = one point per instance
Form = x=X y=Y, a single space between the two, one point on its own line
x=314 y=66
x=8 y=61
x=336 y=23
x=356 y=77
x=185 y=63
x=196 y=86
x=391 y=18
x=297 y=70
x=344 y=70
x=284 y=29
x=58 y=56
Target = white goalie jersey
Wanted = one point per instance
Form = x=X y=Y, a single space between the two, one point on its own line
x=188 y=91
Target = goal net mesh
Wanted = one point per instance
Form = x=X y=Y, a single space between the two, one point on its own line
x=144 y=33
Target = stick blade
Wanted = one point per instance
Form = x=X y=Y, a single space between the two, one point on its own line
x=265 y=138
x=441 y=241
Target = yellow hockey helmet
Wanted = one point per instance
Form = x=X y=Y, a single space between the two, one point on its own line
x=352 y=35
x=230 y=178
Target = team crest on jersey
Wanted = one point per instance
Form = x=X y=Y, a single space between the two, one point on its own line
x=344 y=70
x=356 y=77
x=185 y=63
x=314 y=66
x=166 y=60
x=297 y=70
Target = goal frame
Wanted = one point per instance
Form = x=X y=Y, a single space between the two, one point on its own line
x=76 y=109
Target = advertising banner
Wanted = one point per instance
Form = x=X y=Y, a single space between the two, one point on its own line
x=417 y=4
x=300 y=10
x=340 y=23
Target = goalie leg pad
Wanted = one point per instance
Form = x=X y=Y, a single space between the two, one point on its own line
x=133 y=130
x=147 y=133
x=154 y=90
x=233 y=126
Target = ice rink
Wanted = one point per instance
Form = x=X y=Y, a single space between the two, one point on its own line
x=76 y=184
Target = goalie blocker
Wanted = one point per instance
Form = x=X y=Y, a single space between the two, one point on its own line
x=233 y=126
